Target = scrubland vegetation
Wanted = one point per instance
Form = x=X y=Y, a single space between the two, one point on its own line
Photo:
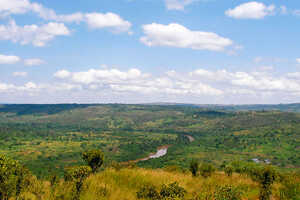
x=248 y=181
x=48 y=152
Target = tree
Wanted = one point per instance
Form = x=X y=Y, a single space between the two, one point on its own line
x=13 y=178
x=194 y=167
x=94 y=158
x=265 y=176
x=77 y=175
x=228 y=170
x=206 y=170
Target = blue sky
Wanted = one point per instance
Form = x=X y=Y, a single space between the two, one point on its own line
x=140 y=51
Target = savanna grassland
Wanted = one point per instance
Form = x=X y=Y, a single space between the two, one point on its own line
x=47 y=138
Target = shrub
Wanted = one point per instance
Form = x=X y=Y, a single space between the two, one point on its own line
x=14 y=178
x=265 y=176
x=228 y=170
x=148 y=191
x=206 y=170
x=227 y=193
x=290 y=189
x=172 y=191
x=94 y=158
x=194 y=167
x=77 y=175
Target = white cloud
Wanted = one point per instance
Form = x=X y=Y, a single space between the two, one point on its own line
x=133 y=86
x=108 y=20
x=251 y=10
x=294 y=75
x=94 y=20
x=62 y=74
x=176 y=35
x=177 y=4
x=33 y=62
x=298 y=60
x=32 y=34
x=9 y=59
x=134 y=81
x=22 y=74
x=8 y=7
x=258 y=81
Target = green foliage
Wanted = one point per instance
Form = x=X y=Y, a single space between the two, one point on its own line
x=77 y=175
x=49 y=136
x=228 y=170
x=94 y=158
x=167 y=192
x=148 y=191
x=290 y=189
x=172 y=191
x=265 y=176
x=206 y=170
x=14 y=178
x=194 y=167
x=228 y=192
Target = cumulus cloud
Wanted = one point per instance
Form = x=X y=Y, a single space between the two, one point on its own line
x=133 y=86
x=33 y=62
x=9 y=7
x=108 y=20
x=62 y=74
x=298 y=60
x=32 y=34
x=177 y=4
x=94 y=20
x=22 y=74
x=251 y=10
x=258 y=81
x=134 y=81
x=9 y=59
x=176 y=35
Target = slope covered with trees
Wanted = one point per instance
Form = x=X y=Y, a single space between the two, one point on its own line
x=47 y=138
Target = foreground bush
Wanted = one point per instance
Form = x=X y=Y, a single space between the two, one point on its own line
x=77 y=175
x=227 y=193
x=290 y=189
x=14 y=178
x=206 y=170
x=148 y=191
x=94 y=158
x=194 y=167
x=171 y=191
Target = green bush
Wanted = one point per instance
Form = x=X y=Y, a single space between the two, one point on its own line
x=228 y=170
x=77 y=175
x=194 y=167
x=172 y=191
x=148 y=191
x=206 y=170
x=227 y=192
x=290 y=189
x=94 y=158
x=14 y=178
x=265 y=176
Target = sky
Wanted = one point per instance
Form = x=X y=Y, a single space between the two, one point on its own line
x=143 y=51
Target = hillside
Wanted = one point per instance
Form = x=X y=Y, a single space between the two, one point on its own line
x=50 y=137
x=132 y=183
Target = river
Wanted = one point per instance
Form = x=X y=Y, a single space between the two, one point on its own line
x=161 y=151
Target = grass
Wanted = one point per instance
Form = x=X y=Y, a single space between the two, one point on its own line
x=112 y=184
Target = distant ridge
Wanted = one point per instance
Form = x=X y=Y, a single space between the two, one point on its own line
x=293 y=107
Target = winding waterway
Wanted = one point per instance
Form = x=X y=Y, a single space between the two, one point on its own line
x=161 y=151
